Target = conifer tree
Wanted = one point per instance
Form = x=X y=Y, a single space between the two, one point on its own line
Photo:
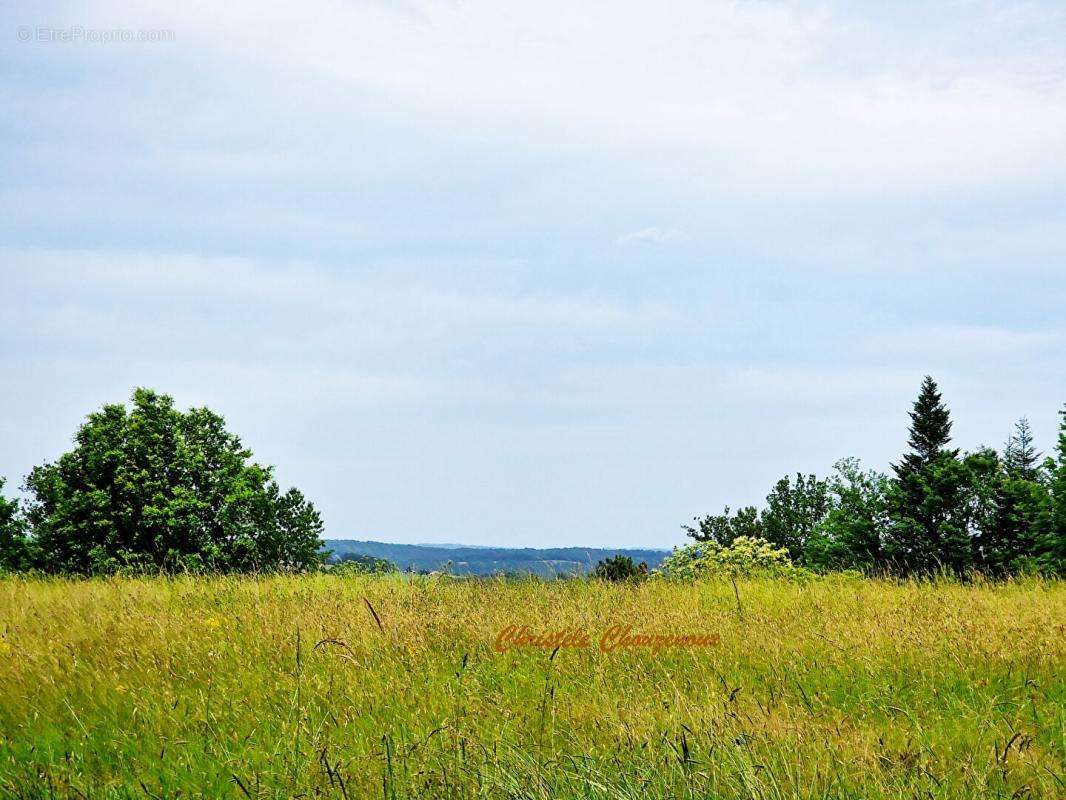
x=1052 y=545
x=1020 y=456
x=928 y=521
x=930 y=431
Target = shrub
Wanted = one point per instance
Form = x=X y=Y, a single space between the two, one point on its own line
x=745 y=556
x=361 y=565
x=620 y=568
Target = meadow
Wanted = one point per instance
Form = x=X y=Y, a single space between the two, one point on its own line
x=393 y=687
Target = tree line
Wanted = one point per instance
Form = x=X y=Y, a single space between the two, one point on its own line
x=994 y=513
x=153 y=488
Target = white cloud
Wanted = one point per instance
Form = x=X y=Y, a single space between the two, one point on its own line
x=127 y=299
x=430 y=249
x=989 y=344
x=654 y=235
x=755 y=97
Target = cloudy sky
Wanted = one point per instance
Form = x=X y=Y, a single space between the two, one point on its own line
x=534 y=274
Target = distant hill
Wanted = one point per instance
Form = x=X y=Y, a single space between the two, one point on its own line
x=478 y=560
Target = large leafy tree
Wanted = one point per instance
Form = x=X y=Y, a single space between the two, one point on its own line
x=154 y=487
x=794 y=510
x=850 y=535
x=15 y=546
x=726 y=527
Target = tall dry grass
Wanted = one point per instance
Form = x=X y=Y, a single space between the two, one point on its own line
x=289 y=686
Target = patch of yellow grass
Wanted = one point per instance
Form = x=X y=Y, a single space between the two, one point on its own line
x=272 y=687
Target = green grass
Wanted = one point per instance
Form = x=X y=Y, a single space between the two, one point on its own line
x=281 y=687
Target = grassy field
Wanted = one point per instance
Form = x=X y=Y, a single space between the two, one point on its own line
x=384 y=687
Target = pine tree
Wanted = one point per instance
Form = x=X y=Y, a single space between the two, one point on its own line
x=928 y=521
x=1014 y=517
x=1019 y=455
x=1059 y=481
x=930 y=430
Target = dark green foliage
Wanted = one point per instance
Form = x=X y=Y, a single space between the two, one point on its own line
x=359 y=564
x=1014 y=507
x=941 y=511
x=928 y=529
x=154 y=488
x=793 y=513
x=620 y=568
x=724 y=528
x=1051 y=545
x=1016 y=525
x=15 y=545
x=1020 y=457
x=850 y=535
x=930 y=431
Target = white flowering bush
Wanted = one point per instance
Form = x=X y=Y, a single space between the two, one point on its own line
x=747 y=555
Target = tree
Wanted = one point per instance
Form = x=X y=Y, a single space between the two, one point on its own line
x=15 y=546
x=152 y=487
x=930 y=431
x=793 y=512
x=850 y=535
x=725 y=528
x=1051 y=545
x=1019 y=455
x=1018 y=514
x=1012 y=507
x=928 y=523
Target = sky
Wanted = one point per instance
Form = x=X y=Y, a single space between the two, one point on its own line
x=535 y=274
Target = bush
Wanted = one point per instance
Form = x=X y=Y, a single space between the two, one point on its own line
x=745 y=556
x=620 y=568
x=361 y=565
